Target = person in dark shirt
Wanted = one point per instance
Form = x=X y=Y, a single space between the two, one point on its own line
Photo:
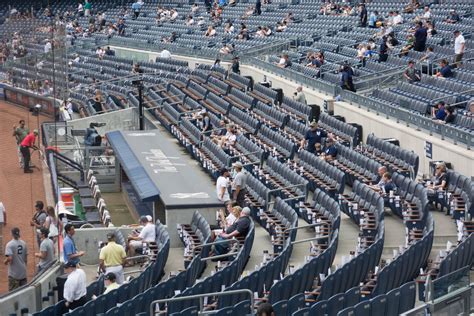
x=445 y=71
x=258 y=7
x=235 y=65
x=313 y=136
x=239 y=228
x=453 y=17
x=330 y=153
x=449 y=116
x=383 y=50
x=439 y=180
x=346 y=78
x=411 y=74
x=387 y=184
x=421 y=35
x=363 y=15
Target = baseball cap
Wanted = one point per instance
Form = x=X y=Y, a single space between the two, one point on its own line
x=35 y=131
x=149 y=218
x=69 y=264
x=110 y=236
x=110 y=276
x=237 y=164
x=313 y=124
x=16 y=232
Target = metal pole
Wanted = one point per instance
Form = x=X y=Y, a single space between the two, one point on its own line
x=140 y=106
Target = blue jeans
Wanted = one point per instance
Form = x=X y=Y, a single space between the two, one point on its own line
x=222 y=248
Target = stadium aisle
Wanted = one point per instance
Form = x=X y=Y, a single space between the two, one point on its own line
x=18 y=191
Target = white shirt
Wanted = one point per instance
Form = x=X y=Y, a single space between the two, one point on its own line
x=458 y=43
x=47 y=47
x=230 y=219
x=282 y=61
x=222 y=182
x=148 y=233
x=75 y=286
x=80 y=8
x=165 y=54
x=397 y=19
x=427 y=15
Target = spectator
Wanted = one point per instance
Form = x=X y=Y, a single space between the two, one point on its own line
x=229 y=139
x=430 y=29
x=165 y=54
x=397 y=18
x=312 y=137
x=363 y=15
x=299 y=95
x=346 y=78
x=189 y=20
x=387 y=186
x=16 y=254
x=146 y=235
x=330 y=152
x=46 y=253
x=412 y=6
x=281 y=26
x=52 y=224
x=239 y=184
x=445 y=71
x=112 y=258
x=439 y=180
x=222 y=185
x=75 y=286
x=380 y=172
x=92 y=137
x=110 y=282
x=440 y=113
x=109 y=52
x=421 y=35
x=97 y=104
x=373 y=19
x=100 y=52
x=235 y=67
x=459 y=46
x=258 y=7
x=121 y=27
x=71 y=255
x=240 y=228
x=87 y=8
x=411 y=74
x=229 y=28
x=38 y=219
x=211 y=32
x=227 y=49
x=173 y=15
x=47 y=47
x=27 y=143
x=453 y=17
x=426 y=14
x=80 y=9
x=265 y=309
x=284 y=62
x=383 y=50
x=136 y=7
x=450 y=116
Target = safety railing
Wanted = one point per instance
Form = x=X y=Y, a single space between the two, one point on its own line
x=201 y=299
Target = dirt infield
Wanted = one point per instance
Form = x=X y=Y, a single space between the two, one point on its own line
x=18 y=191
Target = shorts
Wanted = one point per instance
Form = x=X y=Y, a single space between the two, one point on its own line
x=135 y=244
x=14 y=283
x=458 y=58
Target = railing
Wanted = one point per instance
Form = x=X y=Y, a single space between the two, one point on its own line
x=201 y=297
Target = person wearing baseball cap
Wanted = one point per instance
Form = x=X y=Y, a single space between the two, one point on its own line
x=25 y=145
x=75 y=287
x=146 y=235
x=239 y=184
x=110 y=282
x=222 y=185
x=312 y=137
x=112 y=258
x=16 y=254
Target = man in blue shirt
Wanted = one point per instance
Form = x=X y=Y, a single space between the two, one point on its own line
x=69 y=247
x=330 y=152
x=445 y=71
x=313 y=137
x=440 y=114
x=136 y=7
x=421 y=34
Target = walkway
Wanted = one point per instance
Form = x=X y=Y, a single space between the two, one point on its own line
x=18 y=191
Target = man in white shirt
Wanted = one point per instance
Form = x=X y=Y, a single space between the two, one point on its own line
x=47 y=47
x=459 y=46
x=221 y=186
x=397 y=18
x=165 y=54
x=427 y=13
x=75 y=287
x=147 y=235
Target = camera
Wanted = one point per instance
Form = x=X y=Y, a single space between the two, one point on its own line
x=95 y=124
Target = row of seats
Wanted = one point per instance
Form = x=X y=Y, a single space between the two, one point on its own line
x=193 y=236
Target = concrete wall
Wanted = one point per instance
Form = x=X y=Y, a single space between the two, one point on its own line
x=30 y=297
x=125 y=119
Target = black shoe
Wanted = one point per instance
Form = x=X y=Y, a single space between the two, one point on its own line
x=28 y=171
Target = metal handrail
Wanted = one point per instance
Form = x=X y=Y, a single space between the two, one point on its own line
x=308 y=239
x=200 y=297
